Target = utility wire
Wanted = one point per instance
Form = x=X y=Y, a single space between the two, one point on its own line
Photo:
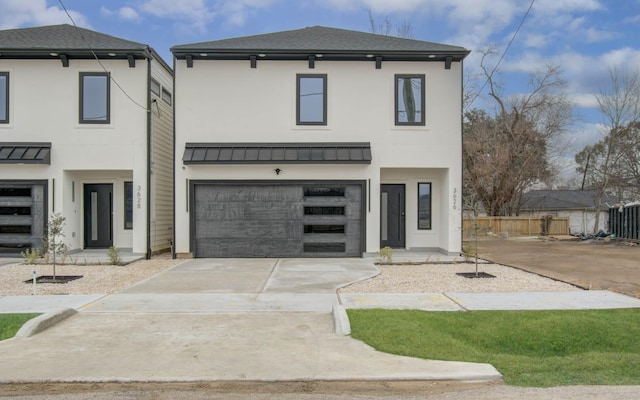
x=503 y=54
x=98 y=59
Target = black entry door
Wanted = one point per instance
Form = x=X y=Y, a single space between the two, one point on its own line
x=392 y=224
x=98 y=207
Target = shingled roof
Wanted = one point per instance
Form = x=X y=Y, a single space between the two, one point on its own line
x=323 y=41
x=563 y=200
x=69 y=42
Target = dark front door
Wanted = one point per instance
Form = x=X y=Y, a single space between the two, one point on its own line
x=392 y=229
x=98 y=207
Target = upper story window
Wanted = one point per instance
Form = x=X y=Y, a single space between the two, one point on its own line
x=311 y=99
x=409 y=99
x=4 y=97
x=94 y=98
x=155 y=87
x=166 y=96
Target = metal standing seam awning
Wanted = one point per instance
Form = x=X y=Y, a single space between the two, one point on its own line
x=25 y=153
x=277 y=153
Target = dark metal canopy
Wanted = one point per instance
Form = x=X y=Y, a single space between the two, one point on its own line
x=25 y=153
x=277 y=153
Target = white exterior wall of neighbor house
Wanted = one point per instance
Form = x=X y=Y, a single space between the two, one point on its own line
x=227 y=101
x=580 y=221
x=44 y=107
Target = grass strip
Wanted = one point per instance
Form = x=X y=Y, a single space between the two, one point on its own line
x=530 y=348
x=11 y=323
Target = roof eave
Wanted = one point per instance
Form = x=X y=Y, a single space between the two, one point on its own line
x=320 y=54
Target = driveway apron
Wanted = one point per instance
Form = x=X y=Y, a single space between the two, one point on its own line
x=220 y=319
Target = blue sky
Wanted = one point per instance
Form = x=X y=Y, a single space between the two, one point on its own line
x=586 y=38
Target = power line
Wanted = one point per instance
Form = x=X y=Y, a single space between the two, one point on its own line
x=98 y=59
x=513 y=38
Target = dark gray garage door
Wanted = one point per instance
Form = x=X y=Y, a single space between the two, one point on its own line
x=22 y=215
x=277 y=220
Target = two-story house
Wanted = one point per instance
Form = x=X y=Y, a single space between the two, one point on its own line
x=317 y=142
x=86 y=130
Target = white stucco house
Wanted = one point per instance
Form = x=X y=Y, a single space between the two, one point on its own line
x=86 y=130
x=317 y=142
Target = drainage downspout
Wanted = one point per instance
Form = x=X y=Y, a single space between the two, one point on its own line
x=149 y=132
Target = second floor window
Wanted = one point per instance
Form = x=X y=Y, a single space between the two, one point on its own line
x=4 y=97
x=94 y=98
x=311 y=102
x=409 y=99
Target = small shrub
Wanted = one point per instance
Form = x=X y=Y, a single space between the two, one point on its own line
x=386 y=255
x=31 y=256
x=114 y=255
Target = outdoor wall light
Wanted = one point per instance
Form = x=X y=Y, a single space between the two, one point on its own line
x=277 y=171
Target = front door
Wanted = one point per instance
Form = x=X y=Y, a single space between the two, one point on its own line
x=98 y=209
x=392 y=224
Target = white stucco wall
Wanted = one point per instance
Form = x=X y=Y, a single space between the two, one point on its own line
x=227 y=101
x=44 y=107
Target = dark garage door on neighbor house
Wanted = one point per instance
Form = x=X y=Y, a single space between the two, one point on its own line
x=276 y=219
x=22 y=215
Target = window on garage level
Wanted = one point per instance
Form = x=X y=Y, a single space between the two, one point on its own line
x=409 y=99
x=4 y=97
x=94 y=98
x=311 y=100
x=128 y=205
x=424 y=205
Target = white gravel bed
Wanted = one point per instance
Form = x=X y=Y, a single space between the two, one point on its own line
x=441 y=278
x=96 y=279
x=424 y=278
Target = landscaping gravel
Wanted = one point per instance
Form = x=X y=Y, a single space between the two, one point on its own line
x=441 y=278
x=423 y=278
x=96 y=279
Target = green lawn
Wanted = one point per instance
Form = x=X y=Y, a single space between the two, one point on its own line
x=11 y=323
x=529 y=348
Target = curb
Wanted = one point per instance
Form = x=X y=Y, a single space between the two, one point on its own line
x=341 y=321
x=44 y=321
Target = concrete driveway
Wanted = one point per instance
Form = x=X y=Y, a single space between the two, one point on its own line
x=220 y=320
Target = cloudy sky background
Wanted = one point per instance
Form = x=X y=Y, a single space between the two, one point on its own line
x=586 y=38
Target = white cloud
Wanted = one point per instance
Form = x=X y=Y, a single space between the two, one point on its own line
x=123 y=13
x=593 y=35
x=536 y=40
x=19 y=13
x=128 y=14
x=197 y=14
x=236 y=12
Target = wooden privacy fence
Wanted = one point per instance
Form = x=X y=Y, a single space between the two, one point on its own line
x=515 y=226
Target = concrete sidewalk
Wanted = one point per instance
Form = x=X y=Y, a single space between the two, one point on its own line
x=239 y=319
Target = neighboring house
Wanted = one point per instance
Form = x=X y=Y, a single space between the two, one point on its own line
x=578 y=205
x=86 y=130
x=317 y=142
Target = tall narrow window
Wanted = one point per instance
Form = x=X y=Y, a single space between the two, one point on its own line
x=94 y=98
x=4 y=97
x=409 y=99
x=424 y=206
x=128 y=205
x=311 y=92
